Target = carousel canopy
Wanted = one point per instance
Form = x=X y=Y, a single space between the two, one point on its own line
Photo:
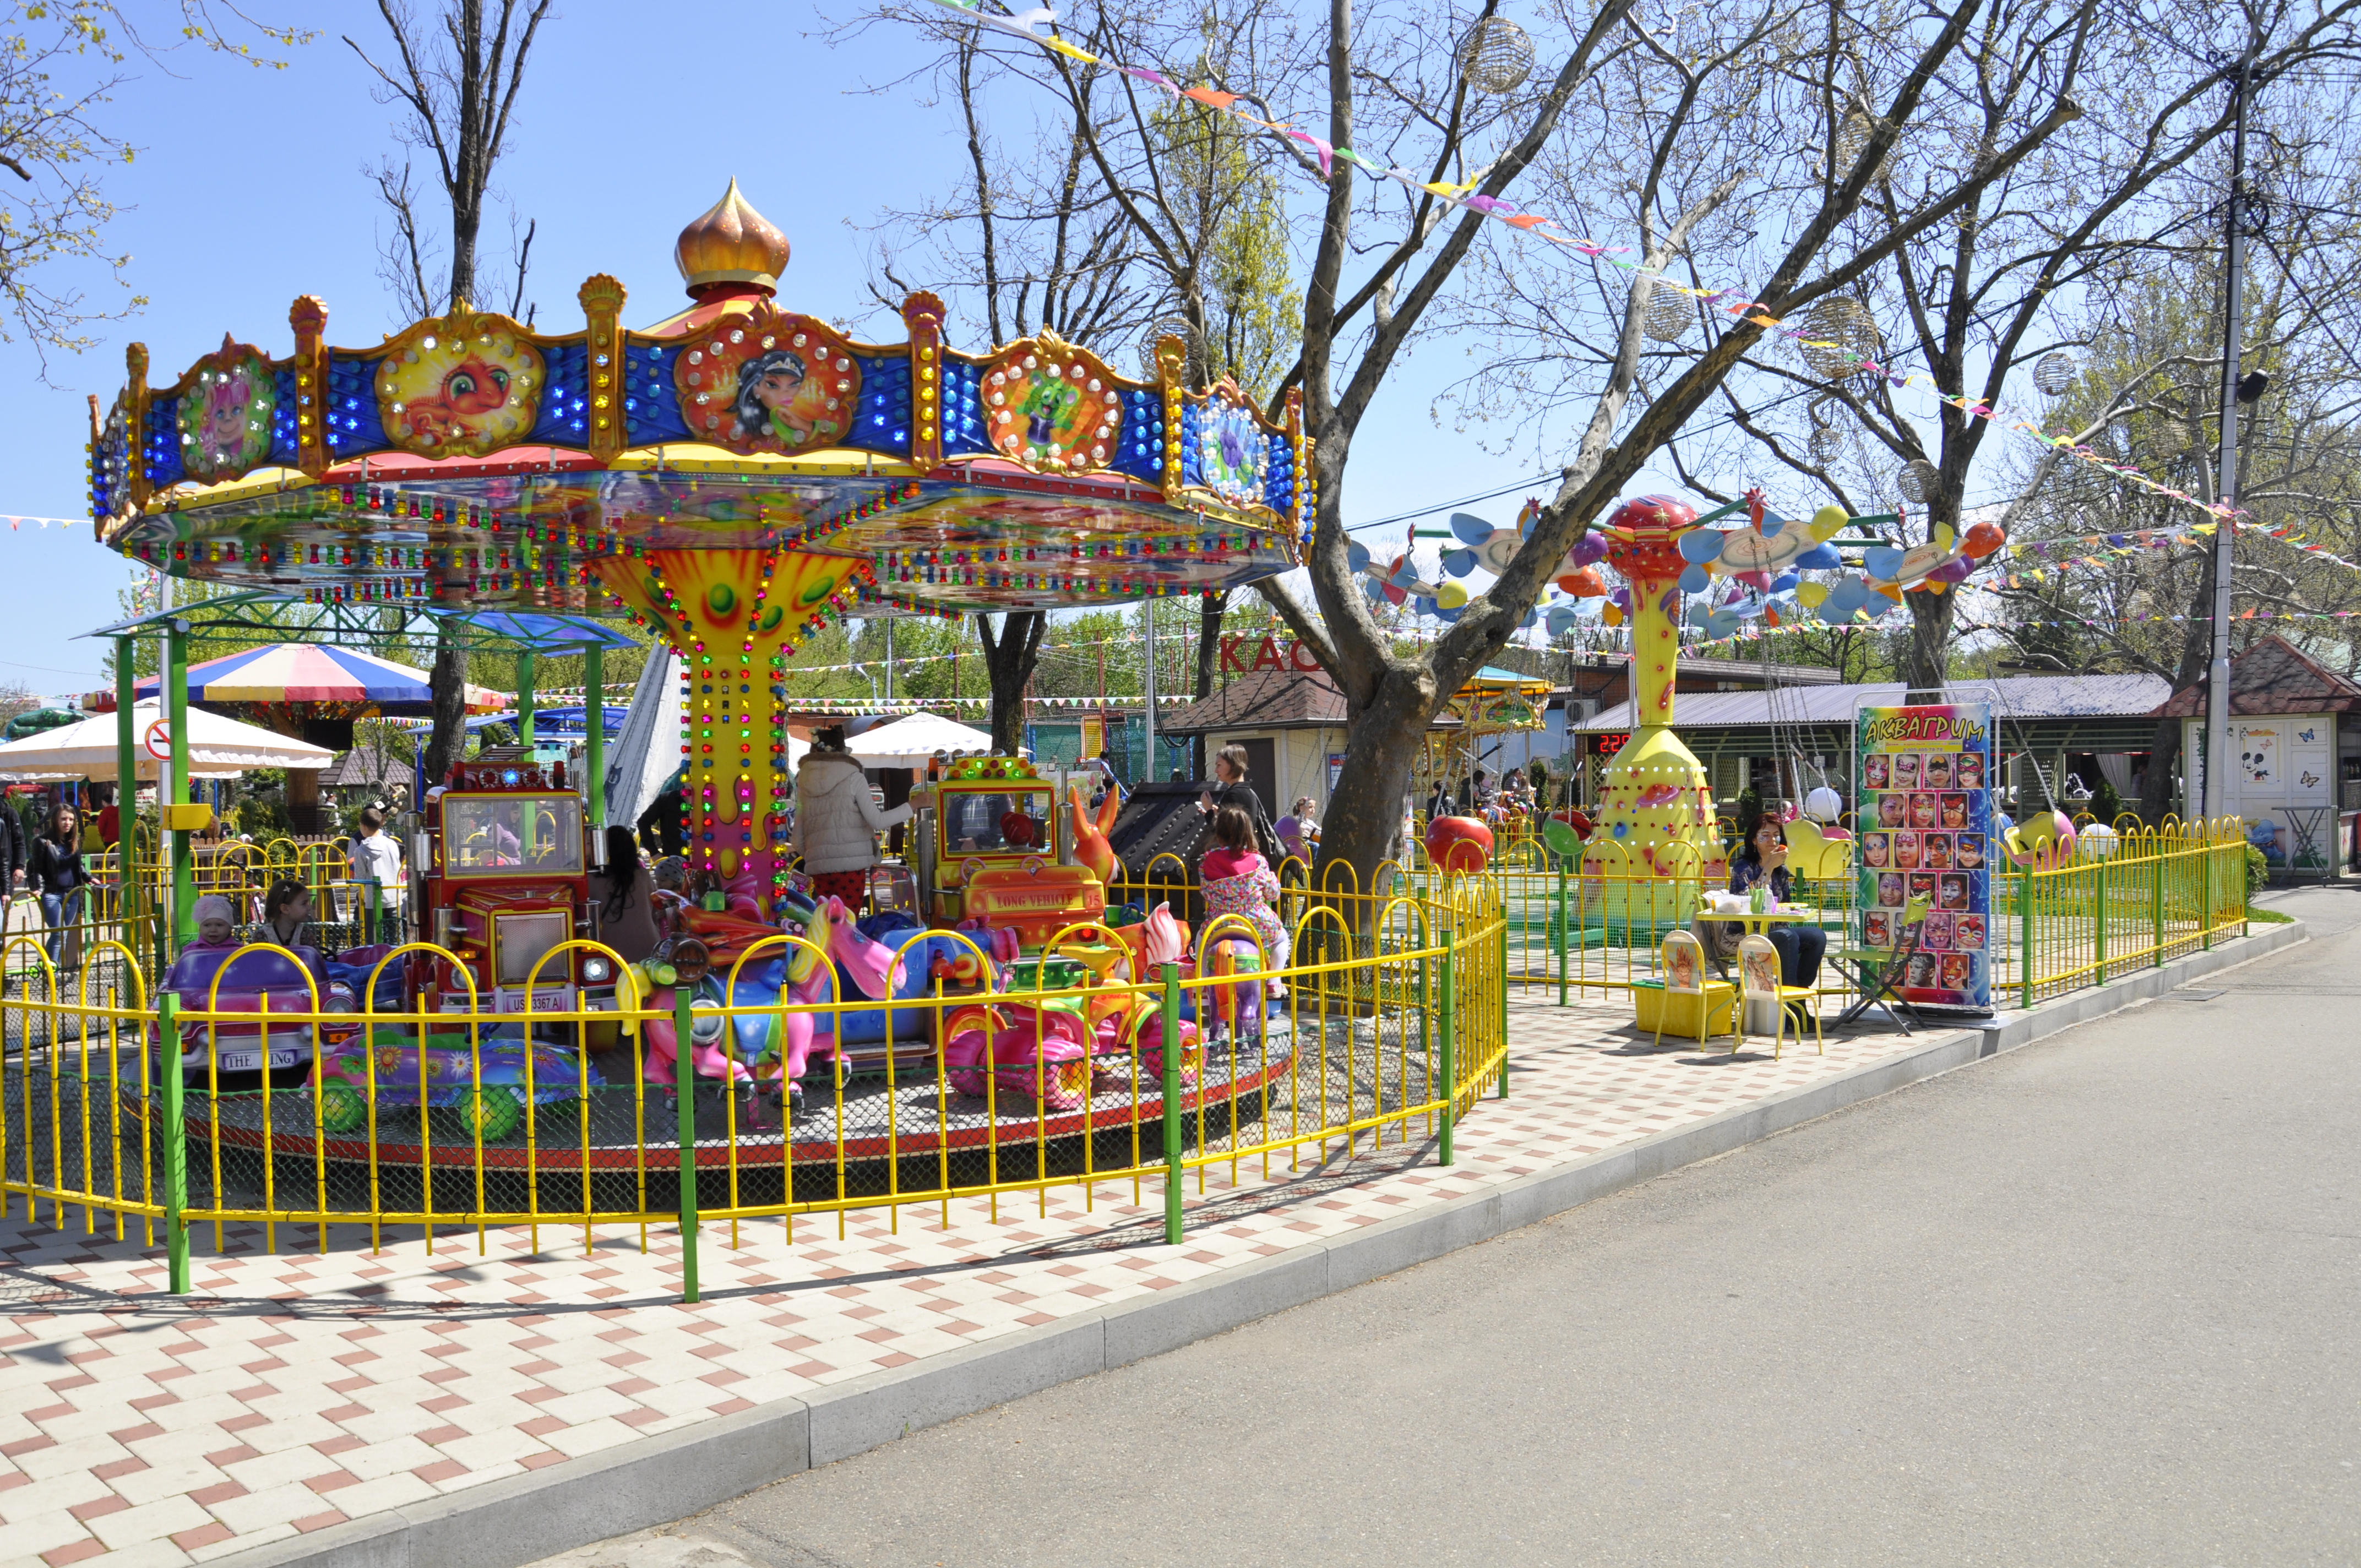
x=220 y=748
x=470 y=460
x=302 y=672
x=912 y=742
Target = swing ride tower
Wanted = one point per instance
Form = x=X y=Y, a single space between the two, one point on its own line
x=1655 y=840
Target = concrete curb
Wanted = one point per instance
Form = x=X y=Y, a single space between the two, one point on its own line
x=655 y=1480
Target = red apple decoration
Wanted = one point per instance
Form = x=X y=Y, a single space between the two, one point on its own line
x=1458 y=844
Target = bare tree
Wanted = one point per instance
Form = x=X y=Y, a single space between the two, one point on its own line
x=455 y=78
x=1686 y=134
x=60 y=66
x=2012 y=274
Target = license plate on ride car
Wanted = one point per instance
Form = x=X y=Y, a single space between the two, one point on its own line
x=251 y=1060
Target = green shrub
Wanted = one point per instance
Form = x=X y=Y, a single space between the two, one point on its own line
x=2258 y=872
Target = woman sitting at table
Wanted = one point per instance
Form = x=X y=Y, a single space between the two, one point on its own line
x=1765 y=860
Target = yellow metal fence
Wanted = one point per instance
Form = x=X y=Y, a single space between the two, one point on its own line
x=2156 y=895
x=1391 y=1025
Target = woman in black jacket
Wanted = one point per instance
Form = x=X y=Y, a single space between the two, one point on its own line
x=53 y=869
x=1230 y=788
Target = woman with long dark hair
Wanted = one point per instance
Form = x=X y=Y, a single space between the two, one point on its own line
x=1765 y=860
x=53 y=870
x=619 y=896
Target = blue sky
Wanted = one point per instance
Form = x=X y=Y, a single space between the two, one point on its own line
x=248 y=191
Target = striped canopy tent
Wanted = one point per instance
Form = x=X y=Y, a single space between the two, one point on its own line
x=288 y=673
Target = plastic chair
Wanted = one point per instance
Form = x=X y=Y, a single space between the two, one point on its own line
x=1877 y=970
x=1686 y=975
x=1758 y=975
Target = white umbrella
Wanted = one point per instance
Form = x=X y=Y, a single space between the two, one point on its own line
x=218 y=748
x=912 y=742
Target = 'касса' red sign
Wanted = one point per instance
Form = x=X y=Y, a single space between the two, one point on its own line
x=1243 y=655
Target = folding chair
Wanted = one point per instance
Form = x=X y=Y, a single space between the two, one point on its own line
x=1877 y=971
x=1758 y=975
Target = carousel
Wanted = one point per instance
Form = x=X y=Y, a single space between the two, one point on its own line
x=729 y=478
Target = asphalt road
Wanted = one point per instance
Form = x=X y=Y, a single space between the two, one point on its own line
x=2089 y=1302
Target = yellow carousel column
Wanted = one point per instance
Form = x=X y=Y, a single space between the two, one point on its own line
x=735 y=617
x=1656 y=807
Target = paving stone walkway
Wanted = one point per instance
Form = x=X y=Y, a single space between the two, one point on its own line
x=295 y=1390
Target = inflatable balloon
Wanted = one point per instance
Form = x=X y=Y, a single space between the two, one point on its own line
x=1458 y=844
x=1982 y=540
x=1588 y=551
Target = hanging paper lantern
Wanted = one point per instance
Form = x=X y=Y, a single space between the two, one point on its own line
x=1919 y=480
x=1156 y=332
x=1497 y=56
x=1669 y=315
x=1838 y=333
x=1852 y=141
x=2054 y=372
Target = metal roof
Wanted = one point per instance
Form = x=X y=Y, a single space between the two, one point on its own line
x=2020 y=699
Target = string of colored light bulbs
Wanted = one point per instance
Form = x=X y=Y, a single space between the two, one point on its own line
x=1463 y=197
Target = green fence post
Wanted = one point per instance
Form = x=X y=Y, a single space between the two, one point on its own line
x=2205 y=897
x=2099 y=929
x=2024 y=935
x=2157 y=869
x=176 y=1147
x=1173 y=1118
x=172 y=782
x=594 y=738
x=1564 y=933
x=685 y=1085
x=1447 y=1025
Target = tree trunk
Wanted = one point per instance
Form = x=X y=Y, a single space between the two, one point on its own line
x=1209 y=644
x=448 y=680
x=1008 y=659
x=1364 y=816
x=1929 y=664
